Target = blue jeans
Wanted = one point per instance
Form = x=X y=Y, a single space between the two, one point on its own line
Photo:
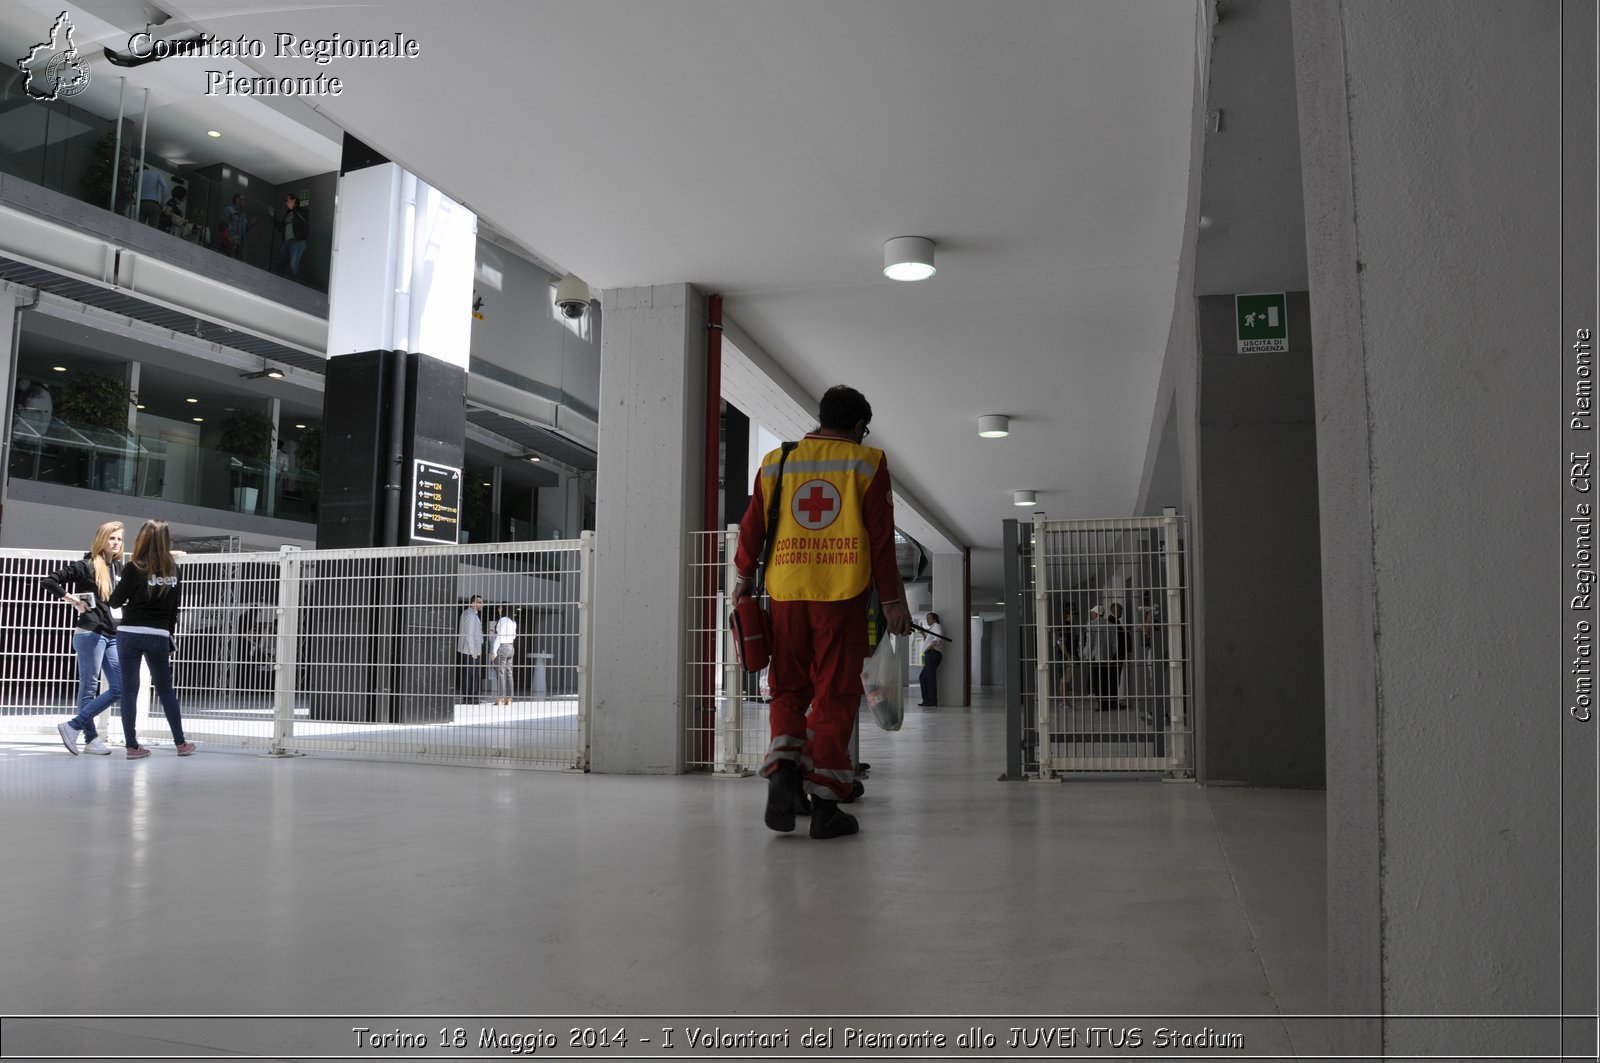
x=136 y=646
x=95 y=652
x=289 y=254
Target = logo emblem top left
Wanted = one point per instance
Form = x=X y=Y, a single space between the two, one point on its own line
x=54 y=68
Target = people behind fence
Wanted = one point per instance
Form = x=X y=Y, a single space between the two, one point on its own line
x=505 y=637
x=150 y=594
x=1096 y=649
x=932 y=654
x=469 y=648
x=1066 y=652
x=1122 y=645
x=834 y=536
x=86 y=587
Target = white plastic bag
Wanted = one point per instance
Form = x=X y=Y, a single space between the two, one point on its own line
x=881 y=681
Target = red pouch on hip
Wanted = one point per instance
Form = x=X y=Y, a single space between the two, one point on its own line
x=752 y=633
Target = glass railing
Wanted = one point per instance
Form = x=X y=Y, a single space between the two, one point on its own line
x=71 y=151
x=50 y=450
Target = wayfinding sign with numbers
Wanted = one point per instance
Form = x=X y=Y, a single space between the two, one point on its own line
x=435 y=503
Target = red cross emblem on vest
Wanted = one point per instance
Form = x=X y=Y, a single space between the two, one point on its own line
x=815 y=505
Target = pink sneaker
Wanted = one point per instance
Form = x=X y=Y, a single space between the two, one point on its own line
x=136 y=752
x=186 y=749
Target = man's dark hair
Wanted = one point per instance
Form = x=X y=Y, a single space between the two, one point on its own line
x=842 y=406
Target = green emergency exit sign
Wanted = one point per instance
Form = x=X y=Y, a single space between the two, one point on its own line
x=1263 y=322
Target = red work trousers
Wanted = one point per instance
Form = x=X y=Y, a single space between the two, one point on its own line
x=817 y=651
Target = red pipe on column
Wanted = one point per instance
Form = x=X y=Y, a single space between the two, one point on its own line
x=713 y=409
x=713 y=489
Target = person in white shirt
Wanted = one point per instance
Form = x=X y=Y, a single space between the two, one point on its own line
x=505 y=634
x=932 y=654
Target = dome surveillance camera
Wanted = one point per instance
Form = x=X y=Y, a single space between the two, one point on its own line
x=572 y=296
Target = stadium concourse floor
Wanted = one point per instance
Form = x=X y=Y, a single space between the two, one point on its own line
x=226 y=884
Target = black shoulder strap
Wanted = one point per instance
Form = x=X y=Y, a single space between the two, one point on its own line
x=772 y=520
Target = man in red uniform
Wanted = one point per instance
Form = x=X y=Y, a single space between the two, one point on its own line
x=834 y=538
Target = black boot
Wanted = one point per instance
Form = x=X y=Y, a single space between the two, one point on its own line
x=802 y=801
x=828 y=822
x=782 y=786
x=856 y=790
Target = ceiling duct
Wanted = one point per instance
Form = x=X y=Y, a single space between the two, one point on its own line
x=911 y=559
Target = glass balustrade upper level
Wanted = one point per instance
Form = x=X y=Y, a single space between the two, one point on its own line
x=52 y=450
x=70 y=150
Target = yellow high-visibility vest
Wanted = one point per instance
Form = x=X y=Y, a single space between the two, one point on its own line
x=821 y=552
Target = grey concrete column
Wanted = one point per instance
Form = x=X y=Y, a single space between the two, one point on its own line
x=8 y=377
x=649 y=481
x=1432 y=179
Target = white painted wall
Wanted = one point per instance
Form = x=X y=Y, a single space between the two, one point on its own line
x=402 y=267
x=1432 y=178
x=522 y=332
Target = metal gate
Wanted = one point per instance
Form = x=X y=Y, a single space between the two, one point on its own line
x=1098 y=647
x=344 y=652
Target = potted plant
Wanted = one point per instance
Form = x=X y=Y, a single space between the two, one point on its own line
x=247 y=435
x=96 y=179
x=96 y=400
x=308 y=454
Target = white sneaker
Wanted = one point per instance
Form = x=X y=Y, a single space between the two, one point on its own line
x=97 y=747
x=69 y=736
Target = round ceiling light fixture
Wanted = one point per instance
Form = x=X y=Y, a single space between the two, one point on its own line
x=1023 y=498
x=908 y=258
x=994 y=426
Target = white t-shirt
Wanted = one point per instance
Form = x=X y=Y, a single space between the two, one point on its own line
x=505 y=632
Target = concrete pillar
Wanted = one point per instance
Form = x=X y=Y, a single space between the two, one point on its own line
x=398 y=346
x=650 y=478
x=1433 y=178
x=394 y=417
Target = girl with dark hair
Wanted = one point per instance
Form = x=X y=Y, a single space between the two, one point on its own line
x=87 y=585
x=150 y=593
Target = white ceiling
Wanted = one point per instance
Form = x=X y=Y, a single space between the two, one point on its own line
x=766 y=149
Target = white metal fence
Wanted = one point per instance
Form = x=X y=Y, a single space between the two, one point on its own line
x=727 y=710
x=345 y=652
x=1102 y=646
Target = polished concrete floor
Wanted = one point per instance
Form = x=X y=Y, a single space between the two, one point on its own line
x=226 y=884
